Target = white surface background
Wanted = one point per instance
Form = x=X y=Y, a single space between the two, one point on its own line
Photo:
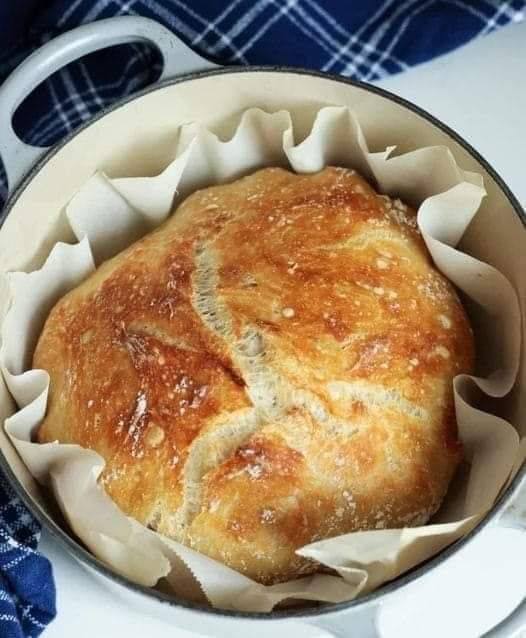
x=479 y=91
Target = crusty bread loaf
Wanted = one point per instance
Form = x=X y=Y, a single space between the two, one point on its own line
x=270 y=367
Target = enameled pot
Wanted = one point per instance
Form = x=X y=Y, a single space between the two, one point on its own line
x=133 y=138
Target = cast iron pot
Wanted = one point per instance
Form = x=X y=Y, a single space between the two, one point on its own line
x=132 y=138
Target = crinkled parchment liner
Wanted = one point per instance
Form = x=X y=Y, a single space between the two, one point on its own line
x=108 y=214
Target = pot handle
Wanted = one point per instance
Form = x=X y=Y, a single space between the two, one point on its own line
x=513 y=515
x=178 y=59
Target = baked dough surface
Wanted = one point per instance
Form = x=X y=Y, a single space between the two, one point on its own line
x=270 y=367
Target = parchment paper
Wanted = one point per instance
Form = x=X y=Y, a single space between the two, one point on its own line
x=107 y=214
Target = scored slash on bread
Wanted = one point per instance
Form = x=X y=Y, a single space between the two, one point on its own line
x=270 y=367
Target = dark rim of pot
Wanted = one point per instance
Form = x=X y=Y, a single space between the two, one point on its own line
x=82 y=554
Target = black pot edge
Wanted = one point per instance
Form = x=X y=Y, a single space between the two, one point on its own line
x=81 y=554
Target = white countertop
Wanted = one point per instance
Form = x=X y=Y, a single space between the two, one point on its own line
x=480 y=91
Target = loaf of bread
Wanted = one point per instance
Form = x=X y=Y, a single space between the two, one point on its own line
x=270 y=367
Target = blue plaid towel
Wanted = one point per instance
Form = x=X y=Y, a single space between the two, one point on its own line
x=365 y=39
x=27 y=589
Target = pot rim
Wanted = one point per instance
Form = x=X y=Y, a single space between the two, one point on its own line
x=79 y=552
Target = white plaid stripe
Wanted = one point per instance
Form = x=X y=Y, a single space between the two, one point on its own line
x=324 y=41
x=59 y=105
x=509 y=11
x=78 y=104
x=485 y=19
x=354 y=37
x=73 y=7
x=493 y=22
x=96 y=9
x=91 y=87
x=245 y=20
x=190 y=34
x=22 y=554
x=331 y=42
x=401 y=10
x=283 y=10
x=17 y=522
x=215 y=23
x=26 y=613
x=167 y=16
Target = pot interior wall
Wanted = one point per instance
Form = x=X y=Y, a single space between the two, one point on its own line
x=138 y=138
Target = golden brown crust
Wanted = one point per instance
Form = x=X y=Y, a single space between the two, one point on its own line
x=270 y=367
